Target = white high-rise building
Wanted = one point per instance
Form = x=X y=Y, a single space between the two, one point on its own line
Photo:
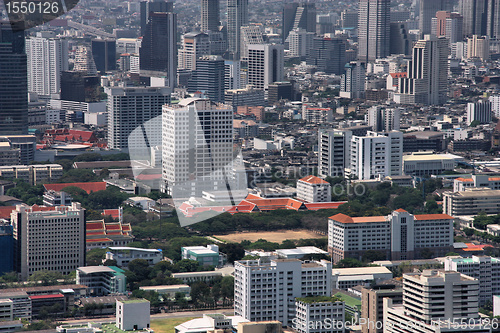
x=332 y=150
x=376 y=155
x=48 y=238
x=232 y=74
x=197 y=147
x=130 y=108
x=478 y=47
x=250 y=34
x=47 y=58
x=427 y=80
x=84 y=62
x=265 y=64
x=384 y=119
x=237 y=16
x=484 y=268
x=194 y=45
x=267 y=291
x=300 y=42
x=495 y=105
x=352 y=84
x=327 y=312
x=374 y=17
x=480 y=111
x=435 y=301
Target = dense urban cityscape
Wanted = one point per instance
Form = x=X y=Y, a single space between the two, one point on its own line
x=250 y=166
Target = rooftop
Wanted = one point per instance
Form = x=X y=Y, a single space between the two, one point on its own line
x=318 y=299
x=361 y=271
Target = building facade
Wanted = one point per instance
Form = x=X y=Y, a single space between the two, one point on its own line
x=373 y=29
x=314 y=189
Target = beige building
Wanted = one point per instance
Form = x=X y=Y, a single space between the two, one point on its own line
x=314 y=189
x=33 y=174
x=48 y=238
x=478 y=47
x=472 y=201
x=372 y=301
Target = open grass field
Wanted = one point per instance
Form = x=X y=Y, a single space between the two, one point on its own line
x=270 y=236
x=167 y=325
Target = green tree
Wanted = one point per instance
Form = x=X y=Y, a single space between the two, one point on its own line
x=94 y=257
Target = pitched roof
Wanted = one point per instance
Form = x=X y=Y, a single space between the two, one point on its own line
x=87 y=187
x=313 y=180
x=5 y=211
x=114 y=213
x=401 y=210
x=323 y=205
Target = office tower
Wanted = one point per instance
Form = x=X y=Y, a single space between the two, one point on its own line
x=432 y=301
x=193 y=46
x=332 y=152
x=480 y=111
x=6 y=247
x=325 y=23
x=427 y=81
x=84 y=61
x=399 y=235
x=150 y=6
x=130 y=108
x=250 y=34
x=265 y=64
x=232 y=75
x=376 y=155
x=428 y=10
x=197 y=147
x=300 y=42
x=47 y=58
x=483 y=268
x=372 y=306
x=218 y=42
x=244 y=97
x=373 y=29
x=352 y=84
x=13 y=82
x=328 y=55
x=493 y=20
x=209 y=78
x=475 y=16
x=400 y=40
x=349 y=19
x=104 y=53
x=478 y=47
x=48 y=238
x=298 y=15
x=158 y=53
x=278 y=91
x=267 y=291
x=449 y=25
x=383 y=119
x=210 y=15
x=237 y=16
x=80 y=87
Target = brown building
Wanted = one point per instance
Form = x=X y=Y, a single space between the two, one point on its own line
x=257 y=111
x=372 y=309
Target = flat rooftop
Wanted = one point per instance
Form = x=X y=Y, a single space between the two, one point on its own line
x=361 y=271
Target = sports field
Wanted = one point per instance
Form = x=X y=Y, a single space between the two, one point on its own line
x=270 y=236
x=167 y=325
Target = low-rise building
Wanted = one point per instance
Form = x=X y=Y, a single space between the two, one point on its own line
x=6 y=309
x=319 y=314
x=141 y=202
x=472 y=201
x=21 y=303
x=206 y=256
x=169 y=291
x=124 y=255
x=204 y=276
x=133 y=314
x=220 y=323
x=10 y=326
x=424 y=164
x=100 y=234
x=314 y=189
x=300 y=252
x=345 y=278
x=33 y=174
x=102 y=280
x=52 y=198
x=463 y=183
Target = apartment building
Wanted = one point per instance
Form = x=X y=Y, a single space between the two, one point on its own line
x=432 y=296
x=314 y=189
x=327 y=312
x=267 y=290
x=33 y=174
x=102 y=280
x=471 y=201
x=483 y=268
x=48 y=238
x=462 y=183
x=124 y=255
x=399 y=236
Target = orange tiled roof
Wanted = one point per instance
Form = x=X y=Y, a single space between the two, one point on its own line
x=99 y=240
x=313 y=180
x=114 y=213
x=425 y=217
x=323 y=205
x=465 y=179
x=87 y=187
x=367 y=219
x=401 y=210
x=5 y=211
x=95 y=226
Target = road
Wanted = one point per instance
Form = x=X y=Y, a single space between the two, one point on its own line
x=90 y=30
x=183 y=314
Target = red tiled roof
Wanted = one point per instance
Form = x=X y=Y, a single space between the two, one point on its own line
x=110 y=226
x=475 y=247
x=397 y=75
x=401 y=210
x=366 y=219
x=114 y=213
x=87 y=187
x=46 y=296
x=5 y=211
x=426 y=217
x=36 y=208
x=313 y=180
x=323 y=205
x=94 y=226
x=99 y=240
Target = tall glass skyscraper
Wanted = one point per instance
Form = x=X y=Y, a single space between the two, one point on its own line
x=13 y=81
x=237 y=16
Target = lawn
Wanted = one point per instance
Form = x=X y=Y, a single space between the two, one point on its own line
x=167 y=325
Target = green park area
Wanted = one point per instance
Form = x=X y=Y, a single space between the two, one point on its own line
x=167 y=325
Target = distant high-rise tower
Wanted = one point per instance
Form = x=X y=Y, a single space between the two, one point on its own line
x=84 y=62
x=428 y=10
x=328 y=55
x=475 y=16
x=158 y=53
x=352 y=84
x=151 y=6
x=47 y=58
x=13 y=81
x=210 y=15
x=209 y=78
x=251 y=34
x=298 y=15
x=449 y=25
x=104 y=53
x=373 y=29
x=427 y=81
x=384 y=119
x=237 y=16
x=493 y=20
x=193 y=46
x=265 y=64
